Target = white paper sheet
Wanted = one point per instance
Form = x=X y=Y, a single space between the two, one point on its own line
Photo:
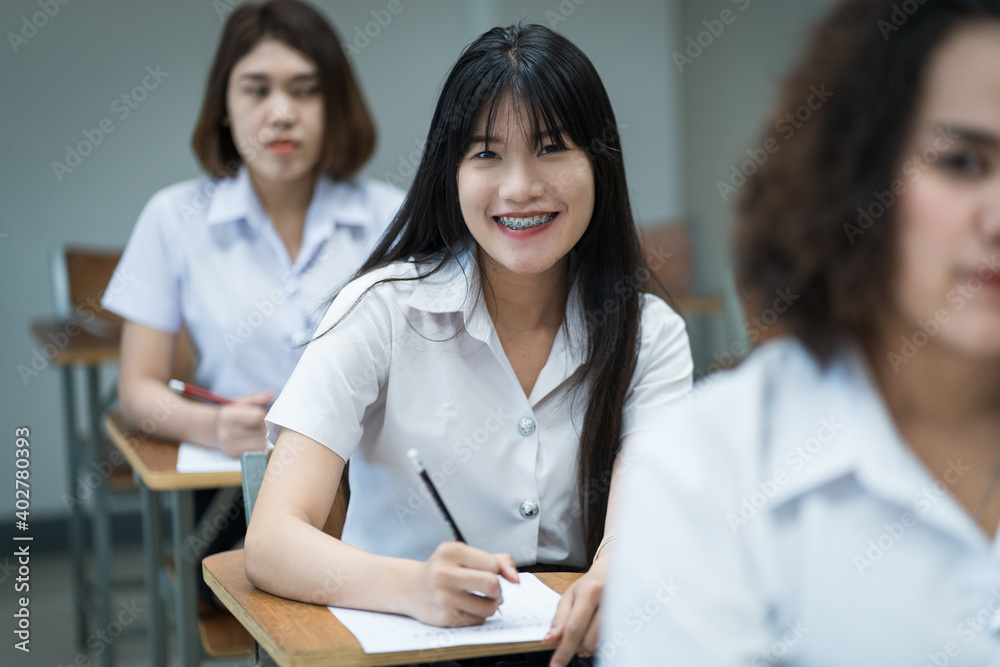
x=527 y=612
x=195 y=458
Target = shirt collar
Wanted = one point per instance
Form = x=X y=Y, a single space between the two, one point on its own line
x=844 y=413
x=342 y=203
x=868 y=448
x=235 y=200
x=333 y=203
x=843 y=429
x=456 y=288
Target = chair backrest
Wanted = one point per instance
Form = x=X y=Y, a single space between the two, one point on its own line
x=252 y=467
x=254 y=464
x=80 y=276
x=668 y=249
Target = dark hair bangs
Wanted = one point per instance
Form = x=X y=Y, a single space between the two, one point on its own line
x=544 y=111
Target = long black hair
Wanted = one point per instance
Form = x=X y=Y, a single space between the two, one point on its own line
x=560 y=90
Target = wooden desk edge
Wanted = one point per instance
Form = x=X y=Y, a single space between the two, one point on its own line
x=352 y=656
x=163 y=480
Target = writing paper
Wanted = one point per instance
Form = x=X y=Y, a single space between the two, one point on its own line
x=195 y=458
x=527 y=612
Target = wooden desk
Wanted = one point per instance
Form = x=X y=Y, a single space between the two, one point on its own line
x=70 y=347
x=154 y=462
x=296 y=634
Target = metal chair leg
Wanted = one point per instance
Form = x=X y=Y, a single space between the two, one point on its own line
x=76 y=515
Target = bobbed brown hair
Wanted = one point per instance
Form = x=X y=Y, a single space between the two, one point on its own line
x=817 y=217
x=348 y=130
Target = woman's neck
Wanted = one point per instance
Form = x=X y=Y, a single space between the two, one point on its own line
x=284 y=201
x=946 y=406
x=287 y=204
x=934 y=384
x=525 y=303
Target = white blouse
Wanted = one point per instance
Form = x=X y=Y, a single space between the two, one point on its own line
x=205 y=254
x=777 y=517
x=418 y=364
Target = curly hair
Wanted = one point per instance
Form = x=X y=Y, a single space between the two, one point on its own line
x=816 y=217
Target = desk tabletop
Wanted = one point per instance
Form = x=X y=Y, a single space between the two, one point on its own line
x=296 y=634
x=73 y=344
x=155 y=460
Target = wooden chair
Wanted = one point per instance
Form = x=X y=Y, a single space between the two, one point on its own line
x=79 y=277
x=667 y=249
x=669 y=252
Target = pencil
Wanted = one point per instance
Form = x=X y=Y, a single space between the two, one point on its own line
x=437 y=498
x=440 y=503
x=197 y=392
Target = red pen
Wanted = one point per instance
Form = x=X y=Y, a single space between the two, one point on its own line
x=197 y=392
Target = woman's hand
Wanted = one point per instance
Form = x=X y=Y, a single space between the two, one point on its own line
x=578 y=617
x=239 y=426
x=458 y=585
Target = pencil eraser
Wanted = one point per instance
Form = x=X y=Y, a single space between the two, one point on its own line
x=176 y=385
x=416 y=460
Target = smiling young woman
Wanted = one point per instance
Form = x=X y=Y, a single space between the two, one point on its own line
x=474 y=306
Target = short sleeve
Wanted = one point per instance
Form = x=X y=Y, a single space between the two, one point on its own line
x=341 y=371
x=664 y=369
x=145 y=287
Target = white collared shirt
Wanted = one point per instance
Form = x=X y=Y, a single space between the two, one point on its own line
x=418 y=364
x=784 y=521
x=205 y=254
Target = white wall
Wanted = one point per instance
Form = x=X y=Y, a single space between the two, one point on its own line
x=727 y=91
x=63 y=81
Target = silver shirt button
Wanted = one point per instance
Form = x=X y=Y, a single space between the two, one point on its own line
x=526 y=426
x=529 y=509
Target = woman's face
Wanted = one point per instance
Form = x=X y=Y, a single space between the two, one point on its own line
x=948 y=286
x=525 y=201
x=274 y=108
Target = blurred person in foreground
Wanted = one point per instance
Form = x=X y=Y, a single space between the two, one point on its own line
x=845 y=509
